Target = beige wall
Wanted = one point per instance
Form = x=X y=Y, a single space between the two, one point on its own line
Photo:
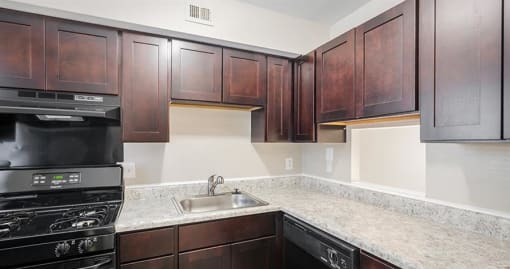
x=234 y=20
x=207 y=141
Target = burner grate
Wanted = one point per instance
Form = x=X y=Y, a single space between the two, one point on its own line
x=81 y=218
x=12 y=222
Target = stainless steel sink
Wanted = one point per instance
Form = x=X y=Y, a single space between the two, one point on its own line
x=224 y=201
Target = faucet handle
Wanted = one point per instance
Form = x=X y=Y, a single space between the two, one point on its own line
x=220 y=180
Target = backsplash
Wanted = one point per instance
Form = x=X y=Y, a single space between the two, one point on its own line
x=489 y=225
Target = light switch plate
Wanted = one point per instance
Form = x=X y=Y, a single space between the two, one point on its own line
x=289 y=164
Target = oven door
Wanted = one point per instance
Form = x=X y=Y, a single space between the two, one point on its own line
x=106 y=261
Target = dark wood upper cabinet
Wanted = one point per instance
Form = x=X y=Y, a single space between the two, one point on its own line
x=81 y=57
x=279 y=100
x=506 y=75
x=145 y=88
x=196 y=71
x=335 y=79
x=210 y=258
x=21 y=50
x=460 y=61
x=386 y=63
x=304 y=99
x=244 y=78
x=254 y=254
x=368 y=261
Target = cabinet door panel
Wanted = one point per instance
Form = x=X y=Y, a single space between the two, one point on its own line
x=158 y=263
x=81 y=57
x=460 y=69
x=255 y=254
x=304 y=99
x=196 y=72
x=210 y=258
x=147 y=244
x=386 y=62
x=335 y=79
x=244 y=78
x=21 y=50
x=279 y=100
x=145 y=88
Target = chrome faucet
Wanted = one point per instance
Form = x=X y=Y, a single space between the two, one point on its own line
x=212 y=182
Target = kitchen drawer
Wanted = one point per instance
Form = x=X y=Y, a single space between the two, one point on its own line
x=370 y=262
x=214 y=233
x=146 y=244
x=167 y=262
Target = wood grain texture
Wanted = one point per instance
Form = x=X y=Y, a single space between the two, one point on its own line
x=22 y=60
x=146 y=244
x=81 y=57
x=166 y=262
x=254 y=254
x=214 y=233
x=210 y=258
x=460 y=69
x=304 y=99
x=145 y=88
x=244 y=78
x=279 y=100
x=368 y=261
x=335 y=79
x=196 y=71
x=386 y=62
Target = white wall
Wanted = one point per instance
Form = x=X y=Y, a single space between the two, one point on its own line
x=234 y=20
x=361 y=15
x=208 y=141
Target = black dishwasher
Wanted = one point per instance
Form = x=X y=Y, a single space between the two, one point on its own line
x=307 y=247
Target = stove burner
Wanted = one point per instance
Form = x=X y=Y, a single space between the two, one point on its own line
x=80 y=218
x=12 y=222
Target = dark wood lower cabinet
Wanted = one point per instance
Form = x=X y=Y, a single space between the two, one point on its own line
x=210 y=258
x=158 y=263
x=254 y=254
x=146 y=244
x=370 y=262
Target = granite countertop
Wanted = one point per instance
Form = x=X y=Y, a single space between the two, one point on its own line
x=406 y=241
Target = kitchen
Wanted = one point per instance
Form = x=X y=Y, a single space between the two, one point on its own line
x=254 y=134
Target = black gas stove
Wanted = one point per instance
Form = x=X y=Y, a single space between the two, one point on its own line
x=60 y=187
x=61 y=224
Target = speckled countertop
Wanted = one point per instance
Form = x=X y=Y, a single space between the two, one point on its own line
x=406 y=241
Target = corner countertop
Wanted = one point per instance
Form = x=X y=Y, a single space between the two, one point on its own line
x=406 y=241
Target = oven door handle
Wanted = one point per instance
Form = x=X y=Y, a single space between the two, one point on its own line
x=97 y=266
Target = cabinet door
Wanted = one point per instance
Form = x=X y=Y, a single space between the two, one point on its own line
x=255 y=254
x=460 y=69
x=304 y=98
x=196 y=72
x=166 y=262
x=210 y=258
x=145 y=88
x=147 y=244
x=279 y=100
x=244 y=78
x=81 y=57
x=335 y=79
x=369 y=262
x=386 y=63
x=21 y=50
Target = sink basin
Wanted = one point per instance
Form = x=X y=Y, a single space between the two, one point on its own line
x=224 y=201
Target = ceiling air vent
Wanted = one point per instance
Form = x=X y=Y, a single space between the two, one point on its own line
x=198 y=14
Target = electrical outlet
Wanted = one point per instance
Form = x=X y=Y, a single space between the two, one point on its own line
x=129 y=170
x=289 y=164
x=329 y=167
x=329 y=154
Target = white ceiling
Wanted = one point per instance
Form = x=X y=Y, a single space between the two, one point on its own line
x=322 y=11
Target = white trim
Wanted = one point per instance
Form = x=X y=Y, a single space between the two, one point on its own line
x=184 y=182
x=411 y=195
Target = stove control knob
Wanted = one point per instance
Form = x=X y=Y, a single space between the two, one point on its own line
x=62 y=249
x=85 y=245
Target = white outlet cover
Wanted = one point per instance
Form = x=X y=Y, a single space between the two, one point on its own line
x=329 y=167
x=289 y=164
x=129 y=170
x=329 y=154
